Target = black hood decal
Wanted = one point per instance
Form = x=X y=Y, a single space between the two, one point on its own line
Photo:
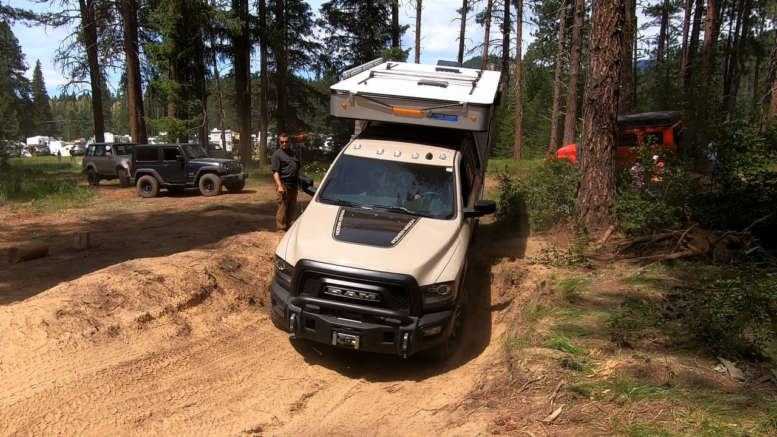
x=373 y=228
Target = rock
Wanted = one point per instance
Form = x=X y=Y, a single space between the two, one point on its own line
x=733 y=371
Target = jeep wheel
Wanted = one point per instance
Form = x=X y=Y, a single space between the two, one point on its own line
x=236 y=187
x=148 y=186
x=92 y=177
x=124 y=181
x=450 y=345
x=210 y=185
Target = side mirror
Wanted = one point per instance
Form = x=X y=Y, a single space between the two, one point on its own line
x=482 y=207
x=306 y=183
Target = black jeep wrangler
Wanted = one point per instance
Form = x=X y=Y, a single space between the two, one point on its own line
x=180 y=166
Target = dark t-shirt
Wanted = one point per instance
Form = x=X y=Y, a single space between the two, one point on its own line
x=286 y=164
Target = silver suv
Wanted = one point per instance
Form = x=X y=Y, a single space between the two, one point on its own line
x=108 y=161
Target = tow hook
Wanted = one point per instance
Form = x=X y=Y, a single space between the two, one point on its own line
x=405 y=341
x=293 y=326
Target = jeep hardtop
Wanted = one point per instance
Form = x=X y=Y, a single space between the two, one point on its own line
x=377 y=260
x=179 y=166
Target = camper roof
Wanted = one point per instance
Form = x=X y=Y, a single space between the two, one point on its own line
x=420 y=81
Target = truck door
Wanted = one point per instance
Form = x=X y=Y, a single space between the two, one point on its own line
x=173 y=170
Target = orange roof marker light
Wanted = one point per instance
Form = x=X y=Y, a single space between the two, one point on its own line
x=474 y=118
x=408 y=111
x=344 y=105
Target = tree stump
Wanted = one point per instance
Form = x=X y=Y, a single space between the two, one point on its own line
x=81 y=240
x=27 y=252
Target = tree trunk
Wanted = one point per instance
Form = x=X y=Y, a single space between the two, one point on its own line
x=770 y=102
x=241 y=45
x=570 y=120
x=418 y=8
x=263 y=122
x=562 y=17
x=733 y=17
x=693 y=44
x=662 y=32
x=597 y=151
x=518 y=71
x=219 y=94
x=757 y=72
x=487 y=35
x=684 y=47
x=628 y=76
x=738 y=59
x=201 y=82
x=462 y=30
x=137 y=122
x=505 y=78
x=711 y=29
x=89 y=27
x=394 y=23
x=281 y=71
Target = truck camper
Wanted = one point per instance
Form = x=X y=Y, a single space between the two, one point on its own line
x=377 y=260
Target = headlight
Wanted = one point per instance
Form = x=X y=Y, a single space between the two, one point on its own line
x=284 y=271
x=438 y=293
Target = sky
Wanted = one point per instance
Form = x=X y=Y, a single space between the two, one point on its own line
x=439 y=39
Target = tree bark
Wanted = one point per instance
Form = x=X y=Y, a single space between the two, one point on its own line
x=518 y=73
x=89 y=28
x=462 y=30
x=597 y=151
x=738 y=58
x=137 y=122
x=281 y=70
x=711 y=30
x=418 y=8
x=487 y=35
x=219 y=94
x=628 y=76
x=562 y=17
x=263 y=121
x=394 y=23
x=770 y=102
x=241 y=45
x=505 y=78
x=570 y=119
x=684 y=46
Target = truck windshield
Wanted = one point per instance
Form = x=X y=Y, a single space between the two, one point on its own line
x=194 y=151
x=408 y=188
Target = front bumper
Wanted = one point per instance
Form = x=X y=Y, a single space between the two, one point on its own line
x=233 y=177
x=387 y=331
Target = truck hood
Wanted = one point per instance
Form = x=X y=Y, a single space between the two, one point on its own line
x=372 y=240
x=211 y=161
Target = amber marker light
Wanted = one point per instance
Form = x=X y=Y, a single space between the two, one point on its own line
x=474 y=118
x=344 y=105
x=408 y=111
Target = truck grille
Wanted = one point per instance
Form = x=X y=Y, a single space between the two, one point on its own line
x=233 y=167
x=354 y=290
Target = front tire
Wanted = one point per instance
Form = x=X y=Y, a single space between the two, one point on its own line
x=443 y=351
x=210 y=185
x=148 y=187
x=92 y=178
x=124 y=181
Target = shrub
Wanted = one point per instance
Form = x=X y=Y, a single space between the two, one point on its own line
x=547 y=195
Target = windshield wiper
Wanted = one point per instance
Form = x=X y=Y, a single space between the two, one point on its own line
x=399 y=209
x=340 y=202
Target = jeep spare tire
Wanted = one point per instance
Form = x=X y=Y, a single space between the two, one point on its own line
x=236 y=187
x=210 y=185
x=123 y=177
x=148 y=186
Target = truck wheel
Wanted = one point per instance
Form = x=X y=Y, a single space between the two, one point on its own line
x=236 y=187
x=92 y=177
x=210 y=185
x=148 y=186
x=449 y=346
x=124 y=181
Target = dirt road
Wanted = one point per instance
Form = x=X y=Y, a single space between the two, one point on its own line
x=169 y=334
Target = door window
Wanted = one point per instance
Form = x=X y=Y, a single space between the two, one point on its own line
x=170 y=153
x=147 y=154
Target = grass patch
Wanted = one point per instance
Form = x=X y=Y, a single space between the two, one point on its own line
x=514 y=343
x=571 y=289
x=564 y=344
x=644 y=429
x=43 y=184
x=520 y=168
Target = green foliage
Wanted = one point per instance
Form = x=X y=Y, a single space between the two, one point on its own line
x=41 y=111
x=547 y=194
x=45 y=184
x=632 y=320
x=571 y=289
x=14 y=86
x=564 y=344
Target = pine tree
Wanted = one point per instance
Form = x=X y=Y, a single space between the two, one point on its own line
x=357 y=31
x=14 y=87
x=40 y=101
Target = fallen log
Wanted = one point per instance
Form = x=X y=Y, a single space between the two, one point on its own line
x=27 y=252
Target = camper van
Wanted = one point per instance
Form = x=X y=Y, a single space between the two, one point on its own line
x=377 y=260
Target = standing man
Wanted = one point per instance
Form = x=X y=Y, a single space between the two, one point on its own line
x=285 y=172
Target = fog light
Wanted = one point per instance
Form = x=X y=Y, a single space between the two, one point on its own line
x=434 y=330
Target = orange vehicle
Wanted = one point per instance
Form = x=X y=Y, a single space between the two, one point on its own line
x=664 y=130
